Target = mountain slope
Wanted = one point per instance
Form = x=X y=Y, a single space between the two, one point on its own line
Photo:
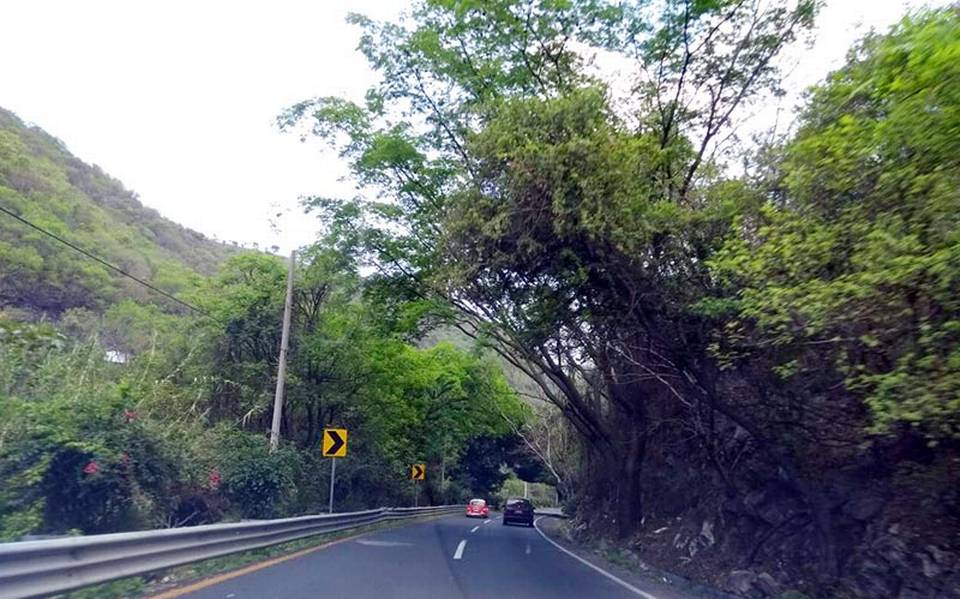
x=44 y=183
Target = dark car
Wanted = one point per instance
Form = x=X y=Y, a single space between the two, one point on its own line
x=519 y=510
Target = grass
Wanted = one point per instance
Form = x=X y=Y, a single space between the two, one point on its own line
x=144 y=585
x=621 y=557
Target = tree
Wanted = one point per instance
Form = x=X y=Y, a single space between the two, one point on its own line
x=43 y=183
x=851 y=273
x=568 y=238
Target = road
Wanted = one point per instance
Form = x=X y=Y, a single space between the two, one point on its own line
x=451 y=557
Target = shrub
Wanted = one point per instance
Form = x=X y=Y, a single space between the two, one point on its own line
x=259 y=484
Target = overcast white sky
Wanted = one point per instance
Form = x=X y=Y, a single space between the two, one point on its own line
x=177 y=99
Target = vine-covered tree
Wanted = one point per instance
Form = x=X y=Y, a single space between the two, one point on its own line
x=568 y=233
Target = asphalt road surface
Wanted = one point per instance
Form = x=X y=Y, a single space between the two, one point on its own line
x=451 y=557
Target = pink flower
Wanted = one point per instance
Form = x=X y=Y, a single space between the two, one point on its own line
x=129 y=415
x=92 y=467
x=214 y=479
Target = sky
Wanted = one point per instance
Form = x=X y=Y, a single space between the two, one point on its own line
x=178 y=99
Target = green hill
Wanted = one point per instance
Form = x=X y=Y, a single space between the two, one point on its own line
x=44 y=183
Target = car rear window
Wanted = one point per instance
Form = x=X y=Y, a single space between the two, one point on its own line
x=515 y=501
x=477 y=502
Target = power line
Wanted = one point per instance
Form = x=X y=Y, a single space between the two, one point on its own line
x=103 y=262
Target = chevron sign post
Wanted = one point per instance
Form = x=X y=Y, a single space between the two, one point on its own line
x=333 y=446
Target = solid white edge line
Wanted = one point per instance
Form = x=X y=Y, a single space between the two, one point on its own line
x=475 y=528
x=615 y=579
x=458 y=554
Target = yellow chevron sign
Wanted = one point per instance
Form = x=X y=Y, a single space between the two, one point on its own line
x=334 y=442
x=418 y=471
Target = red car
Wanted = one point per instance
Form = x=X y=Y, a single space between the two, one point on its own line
x=478 y=508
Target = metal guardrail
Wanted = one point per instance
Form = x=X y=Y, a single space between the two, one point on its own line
x=39 y=568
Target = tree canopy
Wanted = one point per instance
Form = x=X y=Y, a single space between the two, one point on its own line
x=770 y=331
x=857 y=251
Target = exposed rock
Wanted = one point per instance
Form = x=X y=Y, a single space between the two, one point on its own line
x=909 y=593
x=889 y=535
x=741 y=581
x=951 y=588
x=767 y=585
x=748 y=583
x=931 y=569
x=875 y=579
x=753 y=499
x=943 y=558
x=706 y=534
x=864 y=507
x=899 y=554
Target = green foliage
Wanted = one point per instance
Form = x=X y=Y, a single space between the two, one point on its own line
x=175 y=435
x=259 y=484
x=750 y=329
x=41 y=181
x=540 y=494
x=75 y=452
x=117 y=589
x=862 y=260
x=744 y=330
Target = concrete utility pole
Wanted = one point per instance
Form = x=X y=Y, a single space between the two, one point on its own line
x=282 y=367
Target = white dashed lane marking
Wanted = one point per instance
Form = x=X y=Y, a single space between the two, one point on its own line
x=458 y=554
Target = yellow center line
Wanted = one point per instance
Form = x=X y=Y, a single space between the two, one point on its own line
x=207 y=582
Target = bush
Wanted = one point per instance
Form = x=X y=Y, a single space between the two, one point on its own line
x=77 y=454
x=258 y=484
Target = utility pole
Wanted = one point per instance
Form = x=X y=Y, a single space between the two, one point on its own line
x=282 y=367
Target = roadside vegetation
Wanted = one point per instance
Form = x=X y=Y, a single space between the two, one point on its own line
x=121 y=409
x=158 y=582
x=760 y=363
x=736 y=359
x=175 y=436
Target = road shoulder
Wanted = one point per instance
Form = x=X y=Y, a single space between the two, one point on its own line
x=649 y=581
x=174 y=582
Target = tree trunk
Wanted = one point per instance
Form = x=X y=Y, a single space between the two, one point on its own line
x=311 y=424
x=630 y=502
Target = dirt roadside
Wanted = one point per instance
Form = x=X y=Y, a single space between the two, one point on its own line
x=643 y=577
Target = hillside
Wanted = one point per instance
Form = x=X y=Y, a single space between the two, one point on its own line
x=47 y=185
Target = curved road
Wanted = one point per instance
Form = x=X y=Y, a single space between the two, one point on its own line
x=451 y=557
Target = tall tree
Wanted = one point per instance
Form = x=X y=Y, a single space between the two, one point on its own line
x=849 y=273
x=568 y=236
